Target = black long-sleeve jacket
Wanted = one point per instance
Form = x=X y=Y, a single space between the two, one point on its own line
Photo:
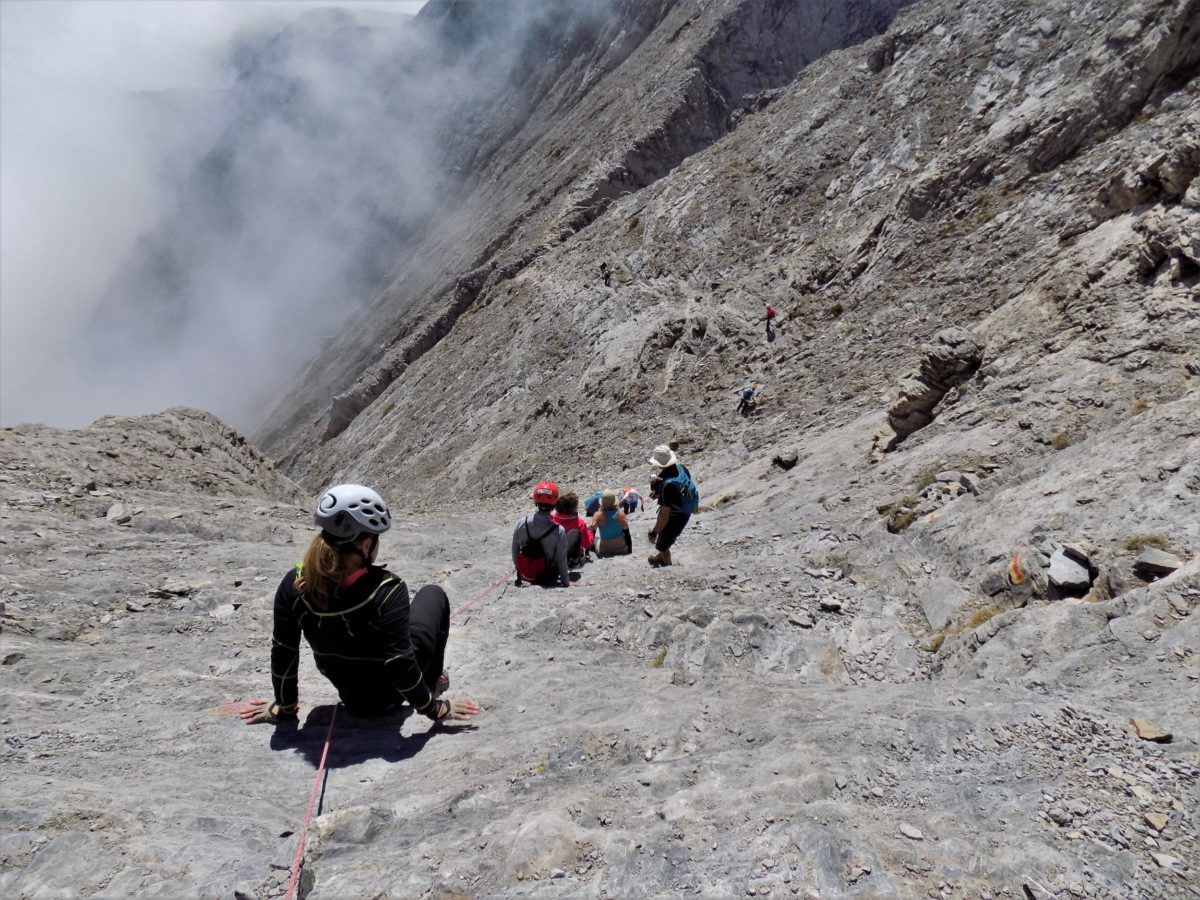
x=360 y=643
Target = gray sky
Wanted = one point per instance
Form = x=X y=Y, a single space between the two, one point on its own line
x=80 y=175
x=141 y=44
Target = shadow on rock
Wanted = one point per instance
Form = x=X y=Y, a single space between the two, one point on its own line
x=356 y=739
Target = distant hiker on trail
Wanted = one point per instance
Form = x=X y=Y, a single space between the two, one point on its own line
x=579 y=538
x=631 y=499
x=606 y=274
x=746 y=404
x=378 y=648
x=678 y=498
x=611 y=528
x=770 y=317
x=539 y=544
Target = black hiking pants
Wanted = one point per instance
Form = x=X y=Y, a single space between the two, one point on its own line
x=671 y=531
x=429 y=629
x=574 y=541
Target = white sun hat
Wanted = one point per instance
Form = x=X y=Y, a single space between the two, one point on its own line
x=662 y=457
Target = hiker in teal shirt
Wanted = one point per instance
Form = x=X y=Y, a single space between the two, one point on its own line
x=611 y=528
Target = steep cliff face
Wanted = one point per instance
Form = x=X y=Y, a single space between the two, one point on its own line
x=1026 y=180
x=654 y=85
x=917 y=181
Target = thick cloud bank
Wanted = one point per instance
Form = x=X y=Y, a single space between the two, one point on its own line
x=182 y=214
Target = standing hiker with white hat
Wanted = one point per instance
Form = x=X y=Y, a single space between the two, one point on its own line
x=678 y=498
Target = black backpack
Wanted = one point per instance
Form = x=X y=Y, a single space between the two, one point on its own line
x=532 y=548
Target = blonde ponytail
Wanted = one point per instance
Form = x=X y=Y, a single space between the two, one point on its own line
x=322 y=570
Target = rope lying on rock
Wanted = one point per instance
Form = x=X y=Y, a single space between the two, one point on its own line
x=487 y=590
x=312 y=797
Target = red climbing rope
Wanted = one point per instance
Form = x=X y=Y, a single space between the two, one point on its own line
x=487 y=590
x=312 y=800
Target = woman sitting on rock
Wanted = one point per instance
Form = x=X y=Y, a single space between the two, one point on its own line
x=579 y=539
x=610 y=527
x=378 y=648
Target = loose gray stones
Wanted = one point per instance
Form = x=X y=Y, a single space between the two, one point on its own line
x=1154 y=562
x=1166 y=861
x=786 y=461
x=118 y=515
x=1066 y=572
x=1059 y=816
x=1150 y=732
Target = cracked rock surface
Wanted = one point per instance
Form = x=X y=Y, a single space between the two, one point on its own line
x=764 y=717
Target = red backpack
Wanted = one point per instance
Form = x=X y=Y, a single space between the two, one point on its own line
x=531 y=558
x=770 y=312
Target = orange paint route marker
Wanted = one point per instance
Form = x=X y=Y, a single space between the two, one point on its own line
x=1015 y=573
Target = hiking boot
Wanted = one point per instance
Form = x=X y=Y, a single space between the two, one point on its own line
x=443 y=684
x=661 y=558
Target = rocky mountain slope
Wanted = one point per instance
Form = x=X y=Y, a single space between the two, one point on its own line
x=626 y=99
x=1015 y=189
x=934 y=631
x=762 y=720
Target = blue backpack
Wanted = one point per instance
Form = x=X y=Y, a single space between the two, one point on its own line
x=687 y=489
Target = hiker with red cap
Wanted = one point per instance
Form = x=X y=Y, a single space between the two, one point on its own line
x=539 y=544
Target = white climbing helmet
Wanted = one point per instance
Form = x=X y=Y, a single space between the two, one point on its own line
x=347 y=510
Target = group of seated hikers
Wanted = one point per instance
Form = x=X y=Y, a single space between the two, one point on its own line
x=556 y=539
x=629 y=502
